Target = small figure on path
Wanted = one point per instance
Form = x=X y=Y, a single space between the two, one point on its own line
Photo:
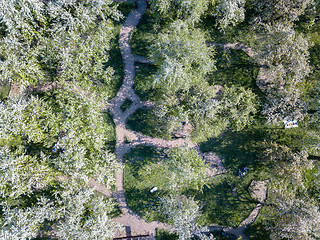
x=223 y=232
x=242 y=171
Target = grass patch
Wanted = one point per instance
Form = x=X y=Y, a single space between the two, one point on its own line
x=219 y=205
x=115 y=61
x=4 y=91
x=111 y=132
x=145 y=122
x=257 y=229
x=143 y=82
x=115 y=57
x=165 y=235
x=222 y=205
x=138 y=195
x=243 y=148
x=126 y=104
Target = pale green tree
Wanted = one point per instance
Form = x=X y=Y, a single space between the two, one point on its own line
x=84 y=215
x=23 y=18
x=21 y=174
x=81 y=136
x=281 y=11
x=291 y=217
x=286 y=57
x=67 y=40
x=182 y=57
x=182 y=214
x=23 y=224
x=230 y=12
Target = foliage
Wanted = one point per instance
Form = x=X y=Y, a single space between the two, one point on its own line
x=230 y=12
x=22 y=174
x=287 y=165
x=207 y=109
x=189 y=11
x=182 y=214
x=73 y=211
x=187 y=169
x=285 y=54
x=25 y=223
x=67 y=40
x=182 y=57
x=172 y=172
x=85 y=215
x=292 y=217
x=182 y=169
x=279 y=11
x=292 y=214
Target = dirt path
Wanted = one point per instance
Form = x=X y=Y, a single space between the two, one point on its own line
x=134 y=225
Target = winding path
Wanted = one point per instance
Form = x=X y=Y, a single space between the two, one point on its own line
x=134 y=225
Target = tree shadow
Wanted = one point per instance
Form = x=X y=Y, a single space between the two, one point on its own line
x=222 y=204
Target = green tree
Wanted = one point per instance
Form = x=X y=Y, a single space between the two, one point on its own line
x=182 y=57
x=279 y=11
x=207 y=108
x=291 y=217
x=189 y=11
x=182 y=214
x=229 y=12
x=286 y=56
x=187 y=169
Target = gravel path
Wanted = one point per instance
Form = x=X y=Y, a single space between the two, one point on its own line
x=134 y=225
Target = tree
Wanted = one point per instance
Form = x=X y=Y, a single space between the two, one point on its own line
x=284 y=12
x=73 y=212
x=23 y=18
x=286 y=164
x=189 y=11
x=81 y=134
x=183 y=213
x=207 y=108
x=22 y=174
x=61 y=40
x=182 y=57
x=291 y=217
x=290 y=213
x=229 y=12
x=285 y=54
x=85 y=215
x=181 y=168
x=187 y=169
x=18 y=223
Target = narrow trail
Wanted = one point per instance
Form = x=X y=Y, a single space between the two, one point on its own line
x=134 y=225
